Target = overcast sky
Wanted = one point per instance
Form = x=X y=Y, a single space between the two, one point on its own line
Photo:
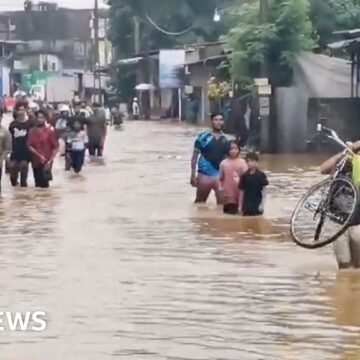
x=6 y=5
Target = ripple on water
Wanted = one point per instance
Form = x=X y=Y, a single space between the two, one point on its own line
x=127 y=268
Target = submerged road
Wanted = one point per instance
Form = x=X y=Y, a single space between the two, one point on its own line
x=126 y=267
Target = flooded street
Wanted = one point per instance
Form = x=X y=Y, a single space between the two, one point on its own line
x=126 y=267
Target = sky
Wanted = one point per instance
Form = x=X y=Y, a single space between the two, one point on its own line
x=6 y=5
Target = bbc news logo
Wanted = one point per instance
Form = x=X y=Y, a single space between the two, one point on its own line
x=27 y=321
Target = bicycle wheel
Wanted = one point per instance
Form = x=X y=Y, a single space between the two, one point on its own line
x=324 y=213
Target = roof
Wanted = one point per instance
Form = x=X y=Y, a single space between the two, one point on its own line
x=343 y=44
x=12 y=42
x=348 y=33
x=47 y=51
x=186 y=47
x=321 y=76
x=204 y=44
x=211 y=60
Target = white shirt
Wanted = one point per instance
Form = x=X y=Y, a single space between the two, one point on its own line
x=135 y=108
x=77 y=141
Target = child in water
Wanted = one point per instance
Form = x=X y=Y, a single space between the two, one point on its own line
x=231 y=170
x=76 y=143
x=252 y=188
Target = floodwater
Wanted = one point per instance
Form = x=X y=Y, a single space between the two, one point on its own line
x=126 y=267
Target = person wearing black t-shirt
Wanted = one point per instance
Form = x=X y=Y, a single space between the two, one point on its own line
x=252 y=185
x=20 y=155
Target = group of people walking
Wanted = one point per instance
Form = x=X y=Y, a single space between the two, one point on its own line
x=217 y=165
x=35 y=137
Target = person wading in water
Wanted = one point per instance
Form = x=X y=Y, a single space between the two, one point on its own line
x=43 y=146
x=347 y=247
x=210 y=149
x=19 y=160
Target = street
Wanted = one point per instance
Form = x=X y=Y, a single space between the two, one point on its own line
x=125 y=266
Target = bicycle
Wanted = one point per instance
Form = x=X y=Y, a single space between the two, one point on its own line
x=328 y=205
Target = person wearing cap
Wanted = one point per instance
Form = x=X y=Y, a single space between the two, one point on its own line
x=62 y=122
x=346 y=247
x=61 y=126
x=135 y=108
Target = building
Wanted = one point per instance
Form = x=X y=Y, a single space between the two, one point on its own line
x=44 y=37
x=201 y=62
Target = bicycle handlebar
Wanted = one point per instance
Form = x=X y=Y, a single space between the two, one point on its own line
x=331 y=134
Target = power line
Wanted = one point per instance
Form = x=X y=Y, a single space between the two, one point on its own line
x=169 y=33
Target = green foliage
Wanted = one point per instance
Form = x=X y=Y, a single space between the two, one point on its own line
x=328 y=16
x=171 y=15
x=261 y=47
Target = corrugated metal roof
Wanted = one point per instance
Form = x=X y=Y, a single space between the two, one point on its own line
x=343 y=44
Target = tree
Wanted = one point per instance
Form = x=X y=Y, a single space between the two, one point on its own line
x=328 y=16
x=273 y=44
x=171 y=15
x=196 y=16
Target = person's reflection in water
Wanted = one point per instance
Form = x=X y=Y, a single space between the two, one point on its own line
x=345 y=298
x=255 y=228
x=31 y=215
x=345 y=301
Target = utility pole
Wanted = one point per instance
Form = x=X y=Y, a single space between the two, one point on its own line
x=137 y=40
x=137 y=45
x=96 y=45
x=264 y=98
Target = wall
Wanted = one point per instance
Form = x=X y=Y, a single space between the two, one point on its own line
x=297 y=118
x=75 y=54
x=342 y=115
x=291 y=128
x=4 y=80
x=28 y=62
x=50 y=63
x=38 y=62
x=199 y=76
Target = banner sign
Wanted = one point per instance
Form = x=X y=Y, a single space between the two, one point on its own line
x=171 y=67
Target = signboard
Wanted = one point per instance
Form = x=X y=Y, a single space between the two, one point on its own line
x=189 y=89
x=5 y=81
x=34 y=78
x=264 y=90
x=264 y=105
x=171 y=66
x=18 y=65
x=261 y=81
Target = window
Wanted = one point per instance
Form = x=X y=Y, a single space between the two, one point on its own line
x=79 y=49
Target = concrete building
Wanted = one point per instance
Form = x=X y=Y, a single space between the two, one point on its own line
x=44 y=37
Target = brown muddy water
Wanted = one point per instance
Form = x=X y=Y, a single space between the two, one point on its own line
x=126 y=267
